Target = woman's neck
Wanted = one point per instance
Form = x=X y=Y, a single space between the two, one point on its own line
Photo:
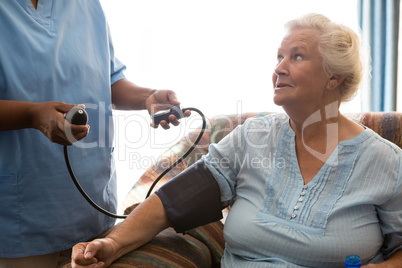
x=324 y=126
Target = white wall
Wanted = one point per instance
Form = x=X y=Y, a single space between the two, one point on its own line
x=218 y=55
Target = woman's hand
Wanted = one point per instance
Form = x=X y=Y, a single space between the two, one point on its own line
x=48 y=117
x=395 y=261
x=141 y=225
x=96 y=254
x=380 y=265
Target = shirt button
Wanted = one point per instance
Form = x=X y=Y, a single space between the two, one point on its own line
x=296 y=207
x=300 y=199
x=303 y=193
x=305 y=187
x=293 y=215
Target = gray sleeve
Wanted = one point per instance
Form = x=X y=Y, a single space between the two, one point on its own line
x=192 y=198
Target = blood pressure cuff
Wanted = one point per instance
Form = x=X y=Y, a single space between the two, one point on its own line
x=192 y=198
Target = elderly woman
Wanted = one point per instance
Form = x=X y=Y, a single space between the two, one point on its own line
x=331 y=188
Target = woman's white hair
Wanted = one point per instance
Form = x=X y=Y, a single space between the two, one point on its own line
x=340 y=48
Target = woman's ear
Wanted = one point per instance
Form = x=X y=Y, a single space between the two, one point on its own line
x=335 y=81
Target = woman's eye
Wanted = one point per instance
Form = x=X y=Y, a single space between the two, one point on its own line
x=298 y=57
x=279 y=58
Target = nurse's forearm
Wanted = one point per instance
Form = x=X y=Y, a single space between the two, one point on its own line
x=47 y=117
x=128 y=96
x=15 y=114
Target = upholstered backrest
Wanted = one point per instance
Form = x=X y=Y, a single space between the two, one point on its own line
x=386 y=124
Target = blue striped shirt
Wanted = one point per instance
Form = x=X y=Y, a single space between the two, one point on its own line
x=352 y=206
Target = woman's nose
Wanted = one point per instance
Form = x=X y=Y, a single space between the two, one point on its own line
x=282 y=67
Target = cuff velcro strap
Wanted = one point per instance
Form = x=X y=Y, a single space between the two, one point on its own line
x=192 y=198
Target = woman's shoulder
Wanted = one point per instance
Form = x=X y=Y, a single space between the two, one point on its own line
x=379 y=143
x=384 y=155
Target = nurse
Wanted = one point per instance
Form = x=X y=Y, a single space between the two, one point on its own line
x=53 y=56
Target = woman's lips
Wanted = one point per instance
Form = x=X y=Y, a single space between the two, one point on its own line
x=281 y=86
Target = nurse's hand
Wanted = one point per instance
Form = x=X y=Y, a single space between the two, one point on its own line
x=96 y=254
x=164 y=100
x=48 y=117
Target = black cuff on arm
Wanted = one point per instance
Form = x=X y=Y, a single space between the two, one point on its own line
x=192 y=198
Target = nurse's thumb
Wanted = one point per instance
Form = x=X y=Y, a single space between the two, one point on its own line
x=65 y=107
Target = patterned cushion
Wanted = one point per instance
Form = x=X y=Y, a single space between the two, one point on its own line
x=212 y=236
x=387 y=124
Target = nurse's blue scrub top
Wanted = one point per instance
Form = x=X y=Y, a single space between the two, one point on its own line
x=60 y=52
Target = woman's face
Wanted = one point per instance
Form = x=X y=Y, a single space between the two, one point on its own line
x=299 y=79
